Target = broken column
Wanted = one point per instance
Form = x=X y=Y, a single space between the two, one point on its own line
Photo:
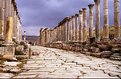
x=76 y=28
x=90 y=20
x=106 y=21
x=97 y=25
x=117 y=18
x=81 y=26
x=84 y=24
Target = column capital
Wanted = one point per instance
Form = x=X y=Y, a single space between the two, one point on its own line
x=90 y=5
x=84 y=9
x=97 y=1
x=72 y=16
x=41 y=29
x=76 y=15
x=80 y=11
x=46 y=29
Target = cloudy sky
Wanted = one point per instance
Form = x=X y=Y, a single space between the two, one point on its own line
x=36 y=14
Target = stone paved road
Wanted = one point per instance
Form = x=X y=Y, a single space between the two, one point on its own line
x=56 y=63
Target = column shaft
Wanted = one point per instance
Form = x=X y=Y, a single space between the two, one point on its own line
x=1 y=19
x=84 y=24
x=117 y=18
x=73 y=31
x=81 y=26
x=76 y=28
x=106 y=21
x=90 y=19
x=97 y=25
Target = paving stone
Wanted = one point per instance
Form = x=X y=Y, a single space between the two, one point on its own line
x=25 y=76
x=5 y=75
x=15 y=70
x=97 y=74
x=30 y=62
x=12 y=63
x=112 y=74
x=56 y=63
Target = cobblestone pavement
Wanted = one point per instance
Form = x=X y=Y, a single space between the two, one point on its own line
x=56 y=63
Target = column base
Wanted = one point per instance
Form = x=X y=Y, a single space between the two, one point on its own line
x=9 y=50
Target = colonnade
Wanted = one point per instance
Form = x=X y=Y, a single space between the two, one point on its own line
x=10 y=23
x=76 y=29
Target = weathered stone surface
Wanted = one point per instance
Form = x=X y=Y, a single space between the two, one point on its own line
x=68 y=64
x=25 y=76
x=16 y=70
x=116 y=56
x=104 y=47
x=9 y=57
x=5 y=75
x=96 y=55
x=116 y=50
x=106 y=54
x=12 y=63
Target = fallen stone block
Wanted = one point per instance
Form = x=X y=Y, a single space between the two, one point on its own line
x=114 y=50
x=9 y=57
x=5 y=75
x=104 y=47
x=116 y=56
x=96 y=55
x=12 y=63
x=15 y=70
x=88 y=53
x=106 y=54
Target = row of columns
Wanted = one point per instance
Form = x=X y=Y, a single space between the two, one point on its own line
x=10 y=24
x=74 y=28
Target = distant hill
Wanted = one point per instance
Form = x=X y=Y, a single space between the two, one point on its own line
x=32 y=39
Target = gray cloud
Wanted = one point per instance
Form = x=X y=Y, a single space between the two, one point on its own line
x=40 y=13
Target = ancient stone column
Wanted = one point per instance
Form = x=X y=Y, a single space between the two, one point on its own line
x=97 y=25
x=106 y=21
x=57 y=33
x=41 y=36
x=70 y=27
x=69 y=31
x=76 y=28
x=10 y=23
x=1 y=20
x=81 y=26
x=90 y=19
x=66 y=29
x=84 y=24
x=24 y=36
x=73 y=31
x=46 y=29
x=117 y=18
